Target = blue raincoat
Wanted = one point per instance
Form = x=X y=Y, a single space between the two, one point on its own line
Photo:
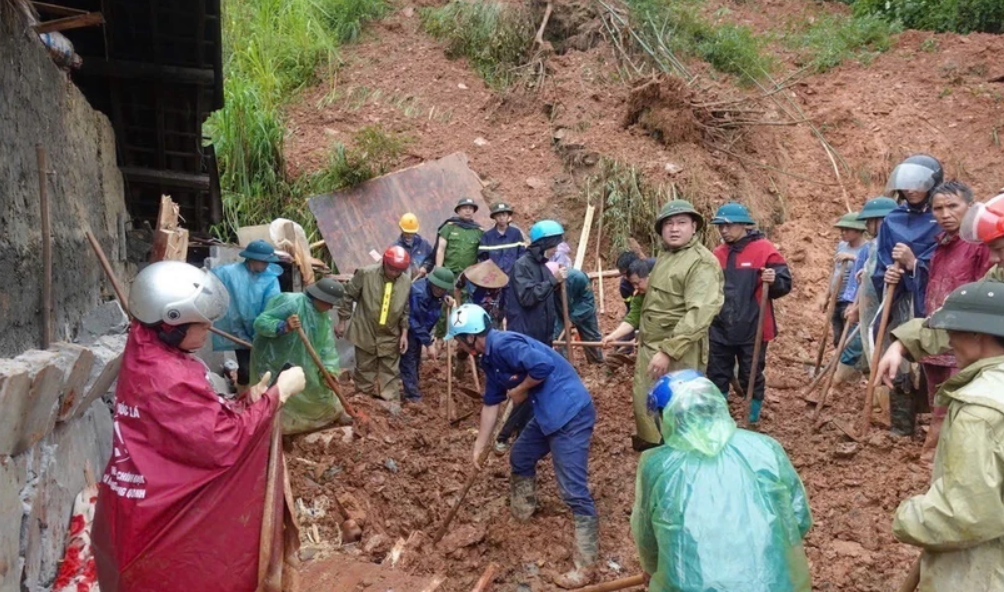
x=918 y=229
x=718 y=508
x=249 y=293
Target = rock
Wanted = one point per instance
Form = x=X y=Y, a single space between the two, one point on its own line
x=391 y=465
x=409 y=11
x=672 y=169
x=848 y=548
x=76 y=362
x=106 y=319
x=798 y=256
x=107 y=361
x=307 y=553
x=560 y=133
x=462 y=536
x=535 y=183
x=12 y=481
x=15 y=384
x=479 y=141
x=462 y=86
x=845 y=450
x=38 y=412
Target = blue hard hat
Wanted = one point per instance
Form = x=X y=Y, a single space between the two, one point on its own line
x=260 y=250
x=467 y=319
x=544 y=229
x=878 y=207
x=661 y=392
x=732 y=213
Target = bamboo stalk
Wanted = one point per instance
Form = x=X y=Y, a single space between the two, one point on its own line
x=43 y=202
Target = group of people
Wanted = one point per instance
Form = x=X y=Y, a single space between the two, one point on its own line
x=180 y=450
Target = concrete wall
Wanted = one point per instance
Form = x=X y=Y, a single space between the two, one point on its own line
x=39 y=105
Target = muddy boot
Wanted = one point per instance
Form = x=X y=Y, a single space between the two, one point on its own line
x=903 y=411
x=522 y=497
x=845 y=375
x=881 y=406
x=587 y=543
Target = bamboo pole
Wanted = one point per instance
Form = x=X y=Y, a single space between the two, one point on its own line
x=568 y=322
x=599 y=260
x=615 y=585
x=831 y=304
x=43 y=202
x=844 y=338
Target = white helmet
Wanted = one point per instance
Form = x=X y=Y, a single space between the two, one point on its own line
x=177 y=293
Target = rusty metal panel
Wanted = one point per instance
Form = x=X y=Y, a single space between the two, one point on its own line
x=356 y=221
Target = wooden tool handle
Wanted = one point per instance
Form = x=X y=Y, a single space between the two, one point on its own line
x=912 y=578
x=757 y=347
x=620 y=584
x=866 y=413
x=328 y=378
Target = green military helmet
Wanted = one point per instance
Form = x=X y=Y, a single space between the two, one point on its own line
x=675 y=207
x=442 y=277
x=976 y=307
x=501 y=208
x=850 y=221
x=326 y=290
x=877 y=207
x=732 y=213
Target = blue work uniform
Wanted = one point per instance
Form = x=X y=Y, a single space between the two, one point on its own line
x=853 y=348
x=423 y=315
x=504 y=248
x=419 y=251
x=564 y=415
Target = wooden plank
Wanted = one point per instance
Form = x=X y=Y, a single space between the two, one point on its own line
x=165 y=178
x=580 y=251
x=170 y=242
x=70 y=22
x=355 y=221
x=56 y=9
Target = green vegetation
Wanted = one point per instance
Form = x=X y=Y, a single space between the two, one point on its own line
x=272 y=48
x=372 y=154
x=834 y=38
x=679 y=28
x=958 y=16
x=495 y=37
x=631 y=206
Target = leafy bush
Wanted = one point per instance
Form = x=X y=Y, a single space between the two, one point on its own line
x=735 y=50
x=834 y=38
x=493 y=36
x=959 y=16
x=372 y=154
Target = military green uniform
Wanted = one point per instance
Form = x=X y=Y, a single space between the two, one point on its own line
x=380 y=317
x=684 y=295
x=461 y=247
x=275 y=345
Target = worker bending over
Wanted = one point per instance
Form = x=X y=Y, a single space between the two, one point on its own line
x=562 y=425
x=182 y=500
x=425 y=305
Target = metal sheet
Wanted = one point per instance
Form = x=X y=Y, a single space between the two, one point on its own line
x=363 y=219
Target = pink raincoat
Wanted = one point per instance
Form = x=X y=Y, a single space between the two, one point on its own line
x=181 y=502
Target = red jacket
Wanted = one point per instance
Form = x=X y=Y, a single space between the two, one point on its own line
x=955 y=262
x=180 y=504
x=741 y=263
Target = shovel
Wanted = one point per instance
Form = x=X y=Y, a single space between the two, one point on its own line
x=833 y=295
x=330 y=380
x=757 y=346
x=866 y=413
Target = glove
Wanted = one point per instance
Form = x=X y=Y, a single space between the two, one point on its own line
x=290 y=382
x=259 y=389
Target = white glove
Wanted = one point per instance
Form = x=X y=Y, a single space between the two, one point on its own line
x=290 y=382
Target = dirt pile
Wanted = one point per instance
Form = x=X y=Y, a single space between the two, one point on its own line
x=663 y=106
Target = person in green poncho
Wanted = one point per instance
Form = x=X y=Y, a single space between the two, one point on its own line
x=277 y=342
x=716 y=507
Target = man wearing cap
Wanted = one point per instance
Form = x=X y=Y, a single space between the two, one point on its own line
x=425 y=303
x=459 y=237
x=959 y=522
x=684 y=295
x=503 y=244
x=277 y=342
x=852 y=240
x=379 y=329
x=251 y=284
x=417 y=247
x=748 y=261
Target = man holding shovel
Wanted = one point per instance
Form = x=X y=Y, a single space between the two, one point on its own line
x=749 y=261
x=684 y=295
x=379 y=329
x=277 y=342
x=532 y=373
x=425 y=303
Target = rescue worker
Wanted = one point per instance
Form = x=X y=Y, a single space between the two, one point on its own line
x=186 y=479
x=277 y=342
x=532 y=311
x=684 y=295
x=628 y=290
x=503 y=244
x=419 y=249
x=459 y=237
x=533 y=374
x=251 y=284
x=904 y=248
x=959 y=522
x=852 y=240
x=489 y=283
x=637 y=276
x=709 y=477
x=581 y=312
x=954 y=262
x=379 y=329
x=425 y=305
x=748 y=261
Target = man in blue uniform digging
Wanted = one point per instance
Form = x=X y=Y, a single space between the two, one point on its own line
x=562 y=425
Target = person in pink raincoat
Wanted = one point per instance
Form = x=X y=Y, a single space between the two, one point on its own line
x=181 y=503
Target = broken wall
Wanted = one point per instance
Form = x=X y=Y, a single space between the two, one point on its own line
x=39 y=105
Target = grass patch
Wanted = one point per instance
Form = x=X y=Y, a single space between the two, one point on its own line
x=957 y=16
x=835 y=38
x=679 y=28
x=272 y=49
x=373 y=153
x=496 y=38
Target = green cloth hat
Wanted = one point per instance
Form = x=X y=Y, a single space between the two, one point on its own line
x=442 y=277
x=850 y=221
x=675 y=207
x=977 y=307
x=326 y=290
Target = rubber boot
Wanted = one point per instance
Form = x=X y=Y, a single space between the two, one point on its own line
x=881 y=403
x=587 y=547
x=755 y=406
x=522 y=497
x=845 y=375
x=903 y=411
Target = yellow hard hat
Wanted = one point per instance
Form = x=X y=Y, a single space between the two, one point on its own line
x=409 y=223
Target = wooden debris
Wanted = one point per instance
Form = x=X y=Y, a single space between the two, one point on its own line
x=170 y=241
